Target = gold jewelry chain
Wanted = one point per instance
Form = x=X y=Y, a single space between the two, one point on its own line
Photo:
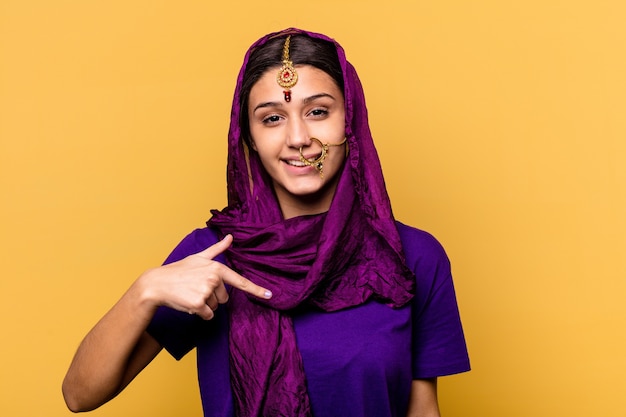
x=318 y=163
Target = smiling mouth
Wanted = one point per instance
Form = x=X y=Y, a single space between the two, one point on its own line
x=299 y=162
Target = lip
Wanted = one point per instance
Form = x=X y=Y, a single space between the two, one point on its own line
x=296 y=166
x=296 y=163
x=309 y=157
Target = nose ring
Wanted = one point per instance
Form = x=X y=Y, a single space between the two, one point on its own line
x=318 y=163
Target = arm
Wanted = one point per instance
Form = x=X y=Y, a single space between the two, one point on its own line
x=423 y=400
x=118 y=347
x=111 y=354
x=438 y=342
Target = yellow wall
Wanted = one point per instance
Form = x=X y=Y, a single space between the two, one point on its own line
x=501 y=127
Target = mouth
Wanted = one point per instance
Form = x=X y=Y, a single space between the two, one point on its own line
x=298 y=162
x=295 y=163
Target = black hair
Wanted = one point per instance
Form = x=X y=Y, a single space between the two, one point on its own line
x=303 y=50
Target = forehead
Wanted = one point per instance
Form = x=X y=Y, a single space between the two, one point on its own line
x=311 y=81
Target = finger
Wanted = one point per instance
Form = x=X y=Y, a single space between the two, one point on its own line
x=217 y=248
x=212 y=302
x=205 y=312
x=220 y=293
x=233 y=279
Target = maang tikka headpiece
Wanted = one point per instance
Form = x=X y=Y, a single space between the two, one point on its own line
x=287 y=76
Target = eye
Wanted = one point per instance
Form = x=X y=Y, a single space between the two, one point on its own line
x=271 y=119
x=318 y=112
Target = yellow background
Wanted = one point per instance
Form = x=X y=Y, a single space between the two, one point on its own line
x=501 y=128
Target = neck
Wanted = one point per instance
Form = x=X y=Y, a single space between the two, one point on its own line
x=292 y=209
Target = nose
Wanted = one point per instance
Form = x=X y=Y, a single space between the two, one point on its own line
x=297 y=134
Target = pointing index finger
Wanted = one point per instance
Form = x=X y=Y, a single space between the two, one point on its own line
x=235 y=280
x=231 y=277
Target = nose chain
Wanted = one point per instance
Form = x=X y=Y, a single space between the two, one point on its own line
x=318 y=163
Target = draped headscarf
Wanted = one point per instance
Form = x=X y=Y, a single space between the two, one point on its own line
x=329 y=261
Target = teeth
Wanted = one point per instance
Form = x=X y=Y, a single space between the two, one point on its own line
x=295 y=163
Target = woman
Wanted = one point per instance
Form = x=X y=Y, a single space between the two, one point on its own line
x=343 y=311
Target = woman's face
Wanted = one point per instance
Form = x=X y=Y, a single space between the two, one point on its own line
x=279 y=129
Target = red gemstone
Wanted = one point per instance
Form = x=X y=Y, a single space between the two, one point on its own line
x=287 y=96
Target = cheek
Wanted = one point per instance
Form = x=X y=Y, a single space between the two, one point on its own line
x=258 y=136
x=340 y=154
x=340 y=123
x=259 y=141
x=251 y=134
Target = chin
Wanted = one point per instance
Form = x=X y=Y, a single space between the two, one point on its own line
x=306 y=190
x=309 y=191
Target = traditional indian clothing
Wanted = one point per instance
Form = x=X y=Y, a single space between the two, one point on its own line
x=339 y=270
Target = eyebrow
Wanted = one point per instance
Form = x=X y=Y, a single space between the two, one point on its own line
x=305 y=100
x=267 y=104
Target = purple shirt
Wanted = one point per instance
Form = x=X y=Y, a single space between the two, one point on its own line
x=358 y=361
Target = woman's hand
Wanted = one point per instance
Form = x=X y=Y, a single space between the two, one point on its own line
x=118 y=347
x=196 y=284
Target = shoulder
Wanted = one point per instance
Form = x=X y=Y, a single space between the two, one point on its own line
x=421 y=249
x=438 y=340
x=194 y=242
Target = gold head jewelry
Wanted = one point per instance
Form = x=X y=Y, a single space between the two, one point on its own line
x=318 y=163
x=287 y=76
